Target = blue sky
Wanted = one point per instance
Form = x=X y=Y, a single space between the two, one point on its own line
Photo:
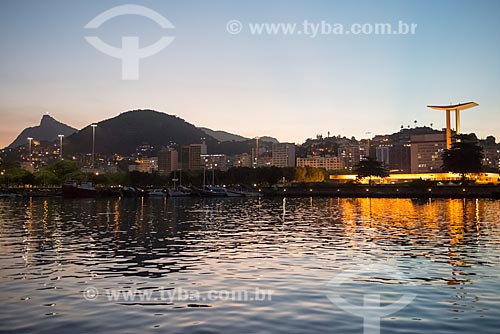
x=288 y=86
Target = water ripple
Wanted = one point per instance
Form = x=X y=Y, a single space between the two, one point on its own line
x=446 y=252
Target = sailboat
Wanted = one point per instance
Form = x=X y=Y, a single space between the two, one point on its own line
x=180 y=190
x=212 y=190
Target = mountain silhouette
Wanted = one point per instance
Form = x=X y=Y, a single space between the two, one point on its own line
x=48 y=130
x=226 y=136
x=124 y=133
x=223 y=135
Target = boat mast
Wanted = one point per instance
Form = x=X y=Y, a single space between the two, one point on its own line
x=204 y=169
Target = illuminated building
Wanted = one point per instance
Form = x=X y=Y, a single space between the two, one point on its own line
x=145 y=165
x=283 y=155
x=481 y=178
x=426 y=152
x=191 y=156
x=350 y=154
x=257 y=153
x=382 y=154
x=328 y=163
x=491 y=152
x=245 y=160
x=400 y=156
x=265 y=160
x=215 y=161
x=144 y=150
x=168 y=159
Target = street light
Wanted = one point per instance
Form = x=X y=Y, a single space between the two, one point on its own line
x=93 y=143
x=61 y=145
x=256 y=158
x=213 y=174
x=5 y=178
x=30 y=140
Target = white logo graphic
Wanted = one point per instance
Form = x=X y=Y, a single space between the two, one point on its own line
x=90 y=293
x=234 y=27
x=129 y=53
x=371 y=311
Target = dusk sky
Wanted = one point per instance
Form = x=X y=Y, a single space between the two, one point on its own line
x=290 y=86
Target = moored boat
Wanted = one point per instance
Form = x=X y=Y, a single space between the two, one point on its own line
x=234 y=193
x=157 y=192
x=84 y=189
x=179 y=191
x=213 y=191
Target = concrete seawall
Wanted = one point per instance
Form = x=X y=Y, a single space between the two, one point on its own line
x=388 y=191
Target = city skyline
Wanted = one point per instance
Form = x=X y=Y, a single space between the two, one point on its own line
x=287 y=86
x=207 y=132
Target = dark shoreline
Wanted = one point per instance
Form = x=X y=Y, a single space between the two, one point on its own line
x=320 y=190
x=388 y=191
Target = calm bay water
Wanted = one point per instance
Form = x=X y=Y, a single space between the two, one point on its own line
x=175 y=265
